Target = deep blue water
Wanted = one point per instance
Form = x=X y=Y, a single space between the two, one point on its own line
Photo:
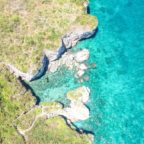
x=117 y=84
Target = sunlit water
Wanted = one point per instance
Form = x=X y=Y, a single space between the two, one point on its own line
x=117 y=84
x=54 y=86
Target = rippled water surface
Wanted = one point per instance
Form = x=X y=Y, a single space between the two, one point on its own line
x=117 y=84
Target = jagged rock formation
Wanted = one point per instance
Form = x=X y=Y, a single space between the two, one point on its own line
x=68 y=41
x=74 y=112
x=77 y=110
x=42 y=70
x=82 y=55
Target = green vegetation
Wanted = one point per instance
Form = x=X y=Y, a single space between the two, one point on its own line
x=55 y=131
x=29 y=26
x=75 y=94
x=26 y=28
x=51 y=106
x=14 y=100
x=86 y=20
x=27 y=119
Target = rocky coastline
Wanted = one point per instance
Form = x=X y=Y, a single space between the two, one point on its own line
x=51 y=61
x=49 y=57
x=76 y=111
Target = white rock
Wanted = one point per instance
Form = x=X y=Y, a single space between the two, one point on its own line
x=80 y=80
x=80 y=73
x=77 y=110
x=82 y=67
x=86 y=78
x=82 y=55
x=53 y=67
x=85 y=94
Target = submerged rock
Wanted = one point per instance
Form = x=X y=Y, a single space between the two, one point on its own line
x=93 y=65
x=82 y=66
x=86 y=78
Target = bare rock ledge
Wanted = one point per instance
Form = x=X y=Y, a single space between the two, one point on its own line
x=77 y=109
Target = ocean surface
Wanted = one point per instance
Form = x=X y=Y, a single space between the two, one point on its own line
x=117 y=83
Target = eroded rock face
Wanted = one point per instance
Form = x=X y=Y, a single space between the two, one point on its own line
x=82 y=55
x=18 y=73
x=69 y=60
x=68 y=41
x=42 y=70
x=51 y=57
x=71 y=38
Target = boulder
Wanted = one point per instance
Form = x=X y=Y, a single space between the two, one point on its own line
x=82 y=55
x=77 y=112
x=77 y=109
x=80 y=73
x=86 y=78
x=53 y=67
x=82 y=67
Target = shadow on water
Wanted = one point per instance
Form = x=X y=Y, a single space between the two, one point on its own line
x=42 y=71
x=80 y=131
x=87 y=106
x=88 y=10
x=29 y=88
x=93 y=36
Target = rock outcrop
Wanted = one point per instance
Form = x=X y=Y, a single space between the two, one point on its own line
x=50 y=57
x=73 y=61
x=74 y=112
x=68 y=41
x=71 y=38
x=77 y=109
x=18 y=73
x=42 y=70
x=28 y=76
x=82 y=55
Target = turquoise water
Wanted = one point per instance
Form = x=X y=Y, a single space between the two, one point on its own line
x=117 y=84
x=54 y=86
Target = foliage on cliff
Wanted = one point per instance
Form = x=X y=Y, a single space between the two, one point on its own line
x=14 y=100
x=55 y=131
x=29 y=26
x=26 y=28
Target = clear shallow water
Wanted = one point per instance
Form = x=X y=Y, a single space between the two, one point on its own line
x=54 y=86
x=117 y=84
